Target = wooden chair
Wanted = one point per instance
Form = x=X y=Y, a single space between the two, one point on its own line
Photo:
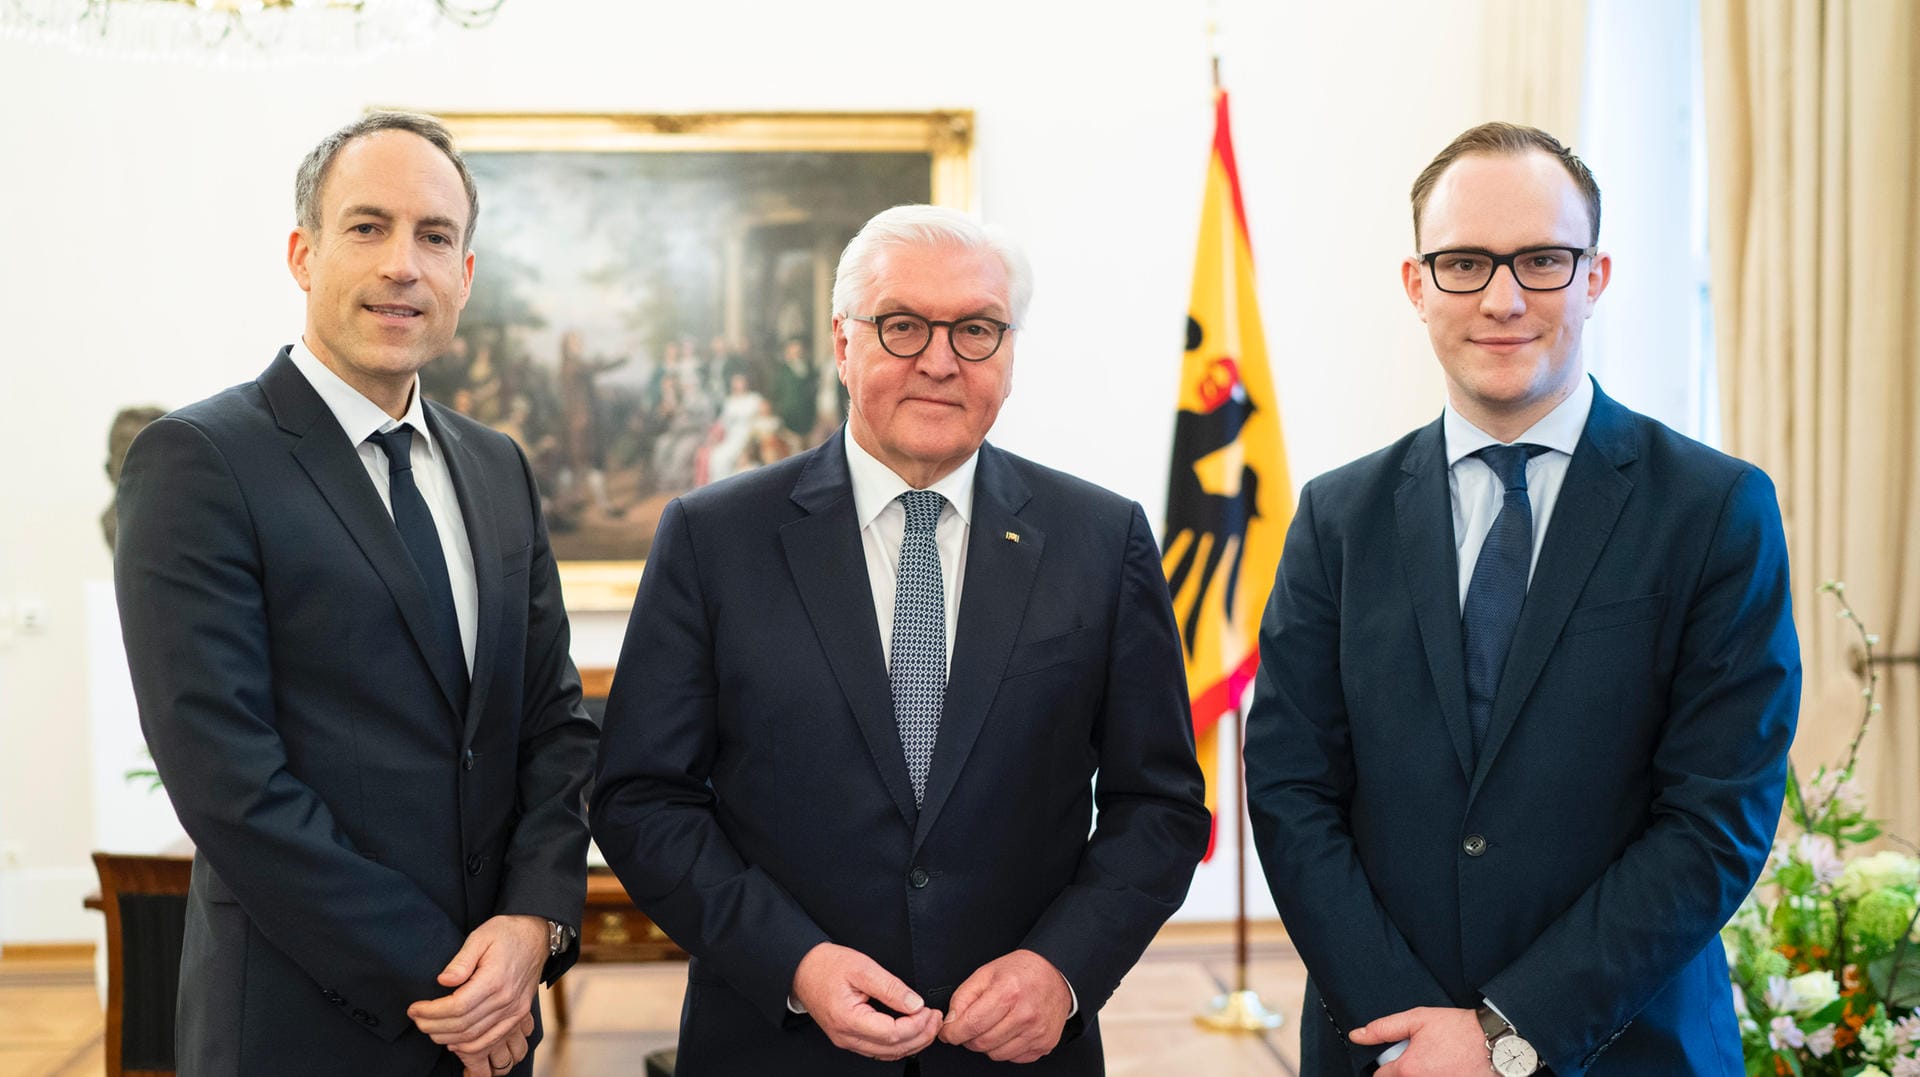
x=612 y=929
x=145 y=902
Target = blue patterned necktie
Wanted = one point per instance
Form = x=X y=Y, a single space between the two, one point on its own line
x=422 y=539
x=1499 y=586
x=919 y=654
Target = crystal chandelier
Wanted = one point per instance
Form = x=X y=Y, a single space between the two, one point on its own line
x=244 y=32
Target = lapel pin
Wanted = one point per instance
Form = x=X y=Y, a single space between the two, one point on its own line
x=1013 y=536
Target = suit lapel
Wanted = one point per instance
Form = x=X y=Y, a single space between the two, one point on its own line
x=998 y=582
x=476 y=507
x=830 y=570
x=1430 y=565
x=334 y=467
x=1583 y=517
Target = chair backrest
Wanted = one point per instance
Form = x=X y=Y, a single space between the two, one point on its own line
x=145 y=902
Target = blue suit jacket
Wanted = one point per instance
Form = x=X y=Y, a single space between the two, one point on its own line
x=1627 y=793
x=352 y=825
x=752 y=793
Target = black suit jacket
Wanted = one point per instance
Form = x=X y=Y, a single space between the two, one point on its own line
x=351 y=827
x=753 y=796
x=1578 y=869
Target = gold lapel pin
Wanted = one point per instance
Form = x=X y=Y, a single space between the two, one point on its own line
x=1013 y=536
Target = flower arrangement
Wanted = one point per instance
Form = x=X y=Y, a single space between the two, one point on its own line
x=1824 y=954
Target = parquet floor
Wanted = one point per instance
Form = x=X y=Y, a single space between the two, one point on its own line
x=50 y=1021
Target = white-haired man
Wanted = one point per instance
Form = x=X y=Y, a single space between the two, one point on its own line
x=851 y=743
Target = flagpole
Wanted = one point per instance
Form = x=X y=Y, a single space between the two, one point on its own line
x=1242 y=1009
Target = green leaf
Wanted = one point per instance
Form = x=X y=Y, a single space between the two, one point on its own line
x=1895 y=978
x=1830 y=1014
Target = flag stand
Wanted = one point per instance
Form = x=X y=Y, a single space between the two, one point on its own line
x=1239 y=1010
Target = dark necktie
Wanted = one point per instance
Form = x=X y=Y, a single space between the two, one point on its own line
x=919 y=654
x=1499 y=586
x=415 y=523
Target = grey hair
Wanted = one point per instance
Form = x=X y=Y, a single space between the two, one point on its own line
x=319 y=161
x=928 y=226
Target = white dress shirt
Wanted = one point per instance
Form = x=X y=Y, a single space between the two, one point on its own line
x=1478 y=495
x=1476 y=492
x=362 y=418
x=883 y=523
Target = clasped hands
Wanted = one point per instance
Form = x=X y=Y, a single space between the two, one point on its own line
x=486 y=1020
x=1441 y=1042
x=1012 y=1009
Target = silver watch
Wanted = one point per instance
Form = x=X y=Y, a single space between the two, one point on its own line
x=1511 y=1055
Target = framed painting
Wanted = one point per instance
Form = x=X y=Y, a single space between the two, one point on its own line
x=651 y=300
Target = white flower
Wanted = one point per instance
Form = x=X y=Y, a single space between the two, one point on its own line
x=1820 y=1041
x=1863 y=875
x=1831 y=788
x=1780 y=997
x=1908 y=1028
x=1873 y=1071
x=1906 y=1067
x=1783 y=1033
x=1816 y=851
x=1875 y=1040
x=1816 y=989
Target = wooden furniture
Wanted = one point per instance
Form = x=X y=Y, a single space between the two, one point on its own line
x=611 y=928
x=144 y=899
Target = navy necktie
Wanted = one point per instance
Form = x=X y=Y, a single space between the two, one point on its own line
x=1499 y=586
x=415 y=523
x=918 y=666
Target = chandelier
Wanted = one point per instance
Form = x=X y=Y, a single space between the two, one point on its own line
x=243 y=32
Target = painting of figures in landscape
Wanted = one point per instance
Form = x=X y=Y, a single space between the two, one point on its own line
x=646 y=323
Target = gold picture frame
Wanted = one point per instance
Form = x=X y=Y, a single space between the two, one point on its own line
x=640 y=274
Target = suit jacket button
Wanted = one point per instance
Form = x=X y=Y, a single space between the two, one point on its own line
x=1474 y=845
x=365 y=1018
x=917 y=878
x=466 y=759
x=475 y=863
x=333 y=997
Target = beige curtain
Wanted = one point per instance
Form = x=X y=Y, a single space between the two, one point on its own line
x=1535 y=63
x=1813 y=164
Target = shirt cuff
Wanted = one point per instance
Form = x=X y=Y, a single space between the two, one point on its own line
x=793 y=1005
x=1393 y=1052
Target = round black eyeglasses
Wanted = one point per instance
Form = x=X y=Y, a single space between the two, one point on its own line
x=905 y=336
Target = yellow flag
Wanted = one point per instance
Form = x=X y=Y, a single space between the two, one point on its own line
x=1228 y=499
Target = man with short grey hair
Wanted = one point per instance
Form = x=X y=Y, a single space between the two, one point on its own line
x=852 y=744
x=350 y=655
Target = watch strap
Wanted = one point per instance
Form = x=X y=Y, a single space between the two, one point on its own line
x=1492 y=1025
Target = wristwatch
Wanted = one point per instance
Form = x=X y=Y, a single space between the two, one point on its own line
x=559 y=936
x=1511 y=1056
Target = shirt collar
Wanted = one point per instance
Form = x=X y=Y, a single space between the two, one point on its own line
x=1558 y=429
x=357 y=415
x=875 y=485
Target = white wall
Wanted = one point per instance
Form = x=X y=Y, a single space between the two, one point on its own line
x=144 y=210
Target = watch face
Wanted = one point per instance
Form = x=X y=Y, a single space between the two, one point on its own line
x=1514 y=1057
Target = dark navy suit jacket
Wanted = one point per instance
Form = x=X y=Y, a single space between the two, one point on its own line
x=352 y=827
x=752 y=793
x=1577 y=870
